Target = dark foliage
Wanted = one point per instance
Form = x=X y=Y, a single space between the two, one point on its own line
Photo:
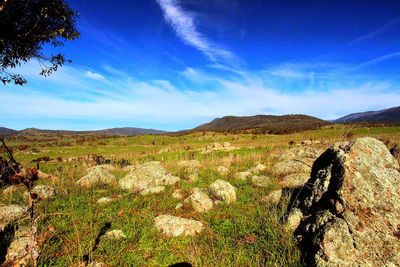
x=27 y=25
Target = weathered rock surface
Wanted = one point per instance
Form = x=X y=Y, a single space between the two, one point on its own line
x=294 y=180
x=177 y=194
x=189 y=163
x=273 y=197
x=19 y=251
x=224 y=191
x=292 y=166
x=43 y=192
x=299 y=153
x=153 y=190
x=242 y=175
x=218 y=147
x=105 y=200
x=222 y=170
x=350 y=207
x=262 y=180
x=261 y=167
x=148 y=175
x=176 y=226
x=10 y=214
x=114 y=235
x=200 y=201
x=395 y=151
x=97 y=175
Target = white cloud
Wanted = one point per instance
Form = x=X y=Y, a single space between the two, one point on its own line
x=94 y=75
x=184 y=25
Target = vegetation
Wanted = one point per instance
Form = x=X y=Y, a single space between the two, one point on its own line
x=246 y=233
x=25 y=27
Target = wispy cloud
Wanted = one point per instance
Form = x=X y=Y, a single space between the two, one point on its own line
x=388 y=26
x=94 y=75
x=379 y=59
x=184 y=25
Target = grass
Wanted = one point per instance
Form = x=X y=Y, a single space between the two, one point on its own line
x=246 y=233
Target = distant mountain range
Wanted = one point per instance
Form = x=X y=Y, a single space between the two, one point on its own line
x=113 y=131
x=390 y=115
x=286 y=123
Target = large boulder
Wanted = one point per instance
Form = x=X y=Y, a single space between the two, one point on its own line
x=148 y=175
x=19 y=253
x=294 y=180
x=176 y=226
x=292 y=166
x=200 y=201
x=97 y=175
x=348 y=214
x=224 y=191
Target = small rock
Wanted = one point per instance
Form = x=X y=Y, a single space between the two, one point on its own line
x=97 y=175
x=262 y=181
x=294 y=219
x=105 y=200
x=224 y=191
x=114 y=235
x=189 y=163
x=222 y=170
x=199 y=200
x=11 y=213
x=292 y=166
x=19 y=251
x=43 y=192
x=294 y=180
x=242 y=175
x=177 y=194
x=193 y=177
x=261 y=167
x=176 y=226
x=273 y=197
x=153 y=190
x=178 y=206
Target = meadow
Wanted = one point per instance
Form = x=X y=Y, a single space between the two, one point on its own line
x=246 y=233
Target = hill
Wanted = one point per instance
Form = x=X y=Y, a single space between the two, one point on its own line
x=269 y=123
x=390 y=115
x=113 y=131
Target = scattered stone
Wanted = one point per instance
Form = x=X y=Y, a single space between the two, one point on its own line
x=148 y=175
x=242 y=175
x=273 y=197
x=222 y=170
x=224 y=191
x=292 y=166
x=153 y=190
x=295 y=180
x=395 y=151
x=299 y=153
x=350 y=207
x=97 y=175
x=261 y=167
x=10 y=214
x=96 y=264
x=43 y=192
x=262 y=181
x=178 y=206
x=114 y=235
x=199 y=200
x=177 y=194
x=105 y=200
x=189 y=163
x=193 y=177
x=218 y=202
x=19 y=251
x=218 y=147
x=176 y=226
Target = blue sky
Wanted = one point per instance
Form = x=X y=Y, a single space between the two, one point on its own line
x=173 y=65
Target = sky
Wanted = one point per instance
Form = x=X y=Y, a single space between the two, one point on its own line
x=176 y=64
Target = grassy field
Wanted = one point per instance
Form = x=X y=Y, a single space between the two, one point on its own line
x=246 y=233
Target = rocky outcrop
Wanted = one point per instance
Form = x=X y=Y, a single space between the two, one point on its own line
x=176 y=226
x=97 y=175
x=200 y=201
x=224 y=191
x=348 y=212
x=148 y=175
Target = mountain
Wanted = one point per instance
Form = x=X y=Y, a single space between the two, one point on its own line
x=113 y=131
x=272 y=123
x=6 y=131
x=390 y=115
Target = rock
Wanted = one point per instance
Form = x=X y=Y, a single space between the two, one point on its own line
x=299 y=153
x=273 y=197
x=114 y=235
x=96 y=264
x=351 y=207
x=224 y=191
x=218 y=147
x=261 y=167
x=395 y=151
x=199 y=200
x=295 y=180
x=10 y=214
x=293 y=220
x=178 y=206
x=262 y=181
x=10 y=190
x=177 y=194
x=291 y=166
x=242 y=175
x=43 y=192
x=19 y=251
x=147 y=175
x=189 y=163
x=105 y=200
x=97 y=175
x=222 y=170
x=193 y=177
x=153 y=190
x=176 y=226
